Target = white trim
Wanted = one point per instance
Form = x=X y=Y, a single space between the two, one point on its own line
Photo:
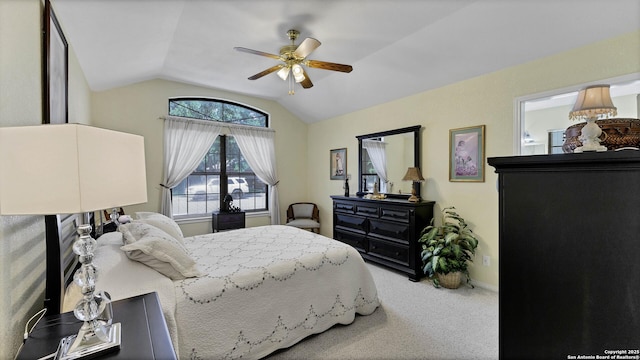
x=518 y=103
x=485 y=286
x=199 y=218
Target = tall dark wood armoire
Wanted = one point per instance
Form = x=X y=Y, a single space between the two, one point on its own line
x=569 y=254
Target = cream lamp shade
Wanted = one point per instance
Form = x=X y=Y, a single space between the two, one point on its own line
x=593 y=101
x=69 y=168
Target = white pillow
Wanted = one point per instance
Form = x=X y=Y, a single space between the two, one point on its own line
x=162 y=222
x=110 y=238
x=157 y=249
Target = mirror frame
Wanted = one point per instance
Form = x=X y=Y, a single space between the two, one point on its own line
x=416 y=155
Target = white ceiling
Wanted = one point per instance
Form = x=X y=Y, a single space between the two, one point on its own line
x=397 y=47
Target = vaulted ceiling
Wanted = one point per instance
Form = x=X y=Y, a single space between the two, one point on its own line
x=396 y=47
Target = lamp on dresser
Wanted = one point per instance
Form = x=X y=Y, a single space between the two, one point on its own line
x=63 y=169
x=413 y=174
x=592 y=103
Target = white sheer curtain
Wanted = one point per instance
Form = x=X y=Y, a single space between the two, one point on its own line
x=258 y=148
x=378 y=155
x=185 y=144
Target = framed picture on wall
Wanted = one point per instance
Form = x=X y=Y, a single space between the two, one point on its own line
x=56 y=70
x=338 y=164
x=466 y=154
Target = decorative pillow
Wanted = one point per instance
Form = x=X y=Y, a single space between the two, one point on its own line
x=110 y=238
x=162 y=222
x=155 y=248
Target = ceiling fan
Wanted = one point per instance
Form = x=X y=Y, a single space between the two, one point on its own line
x=293 y=57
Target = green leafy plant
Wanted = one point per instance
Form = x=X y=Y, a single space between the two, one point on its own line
x=447 y=248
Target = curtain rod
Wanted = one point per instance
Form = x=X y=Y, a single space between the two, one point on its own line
x=215 y=122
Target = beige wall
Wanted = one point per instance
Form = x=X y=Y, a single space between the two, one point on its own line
x=487 y=100
x=22 y=246
x=136 y=109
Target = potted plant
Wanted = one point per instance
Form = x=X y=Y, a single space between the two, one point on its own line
x=448 y=249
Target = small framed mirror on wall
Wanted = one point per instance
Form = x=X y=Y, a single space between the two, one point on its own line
x=383 y=160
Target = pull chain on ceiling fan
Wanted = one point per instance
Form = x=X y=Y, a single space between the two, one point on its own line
x=293 y=58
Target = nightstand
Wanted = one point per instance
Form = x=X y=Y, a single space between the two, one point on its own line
x=144 y=331
x=227 y=220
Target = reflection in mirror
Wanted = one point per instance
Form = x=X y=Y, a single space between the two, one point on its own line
x=384 y=158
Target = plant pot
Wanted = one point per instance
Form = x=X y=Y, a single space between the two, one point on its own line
x=451 y=280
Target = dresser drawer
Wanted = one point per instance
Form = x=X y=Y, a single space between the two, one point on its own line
x=400 y=215
x=345 y=208
x=391 y=251
x=358 y=241
x=396 y=231
x=369 y=211
x=352 y=223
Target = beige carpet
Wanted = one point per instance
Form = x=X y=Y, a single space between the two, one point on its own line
x=415 y=321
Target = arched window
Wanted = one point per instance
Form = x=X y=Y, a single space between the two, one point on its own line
x=200 y=193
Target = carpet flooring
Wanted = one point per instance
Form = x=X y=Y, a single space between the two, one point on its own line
x=414 y=321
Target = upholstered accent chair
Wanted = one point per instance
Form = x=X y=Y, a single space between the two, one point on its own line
x=304 y=215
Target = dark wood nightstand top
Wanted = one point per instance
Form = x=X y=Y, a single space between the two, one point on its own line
x=144 y=331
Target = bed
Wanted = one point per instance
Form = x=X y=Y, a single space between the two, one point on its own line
x=247 y=292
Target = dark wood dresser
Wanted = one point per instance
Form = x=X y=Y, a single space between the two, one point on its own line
x=385 y=231
x=569 y=255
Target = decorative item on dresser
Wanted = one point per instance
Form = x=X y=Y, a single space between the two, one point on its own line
x=385 y=232
x=413 y=174
x=616 y=133
x=592 y=102
x=569 y=254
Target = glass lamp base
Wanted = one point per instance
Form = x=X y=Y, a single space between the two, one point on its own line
x=91 y=348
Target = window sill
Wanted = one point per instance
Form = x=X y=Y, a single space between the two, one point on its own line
x=207 y=217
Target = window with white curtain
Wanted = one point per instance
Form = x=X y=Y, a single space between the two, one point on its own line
x=201 y=192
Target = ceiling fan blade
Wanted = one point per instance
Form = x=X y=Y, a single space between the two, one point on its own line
x=306 y=47
x=256 y=52
x=328 y=66
x=306 y=83
x=266 y=72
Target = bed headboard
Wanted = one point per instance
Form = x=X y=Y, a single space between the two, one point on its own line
x=61 y=260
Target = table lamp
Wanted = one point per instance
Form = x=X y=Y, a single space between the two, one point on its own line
x=72 y=169
x=593 y=102
x=413 y=174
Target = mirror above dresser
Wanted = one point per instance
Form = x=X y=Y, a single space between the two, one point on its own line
x=383 y=160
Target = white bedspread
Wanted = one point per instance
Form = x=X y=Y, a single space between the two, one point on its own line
x=265 y=288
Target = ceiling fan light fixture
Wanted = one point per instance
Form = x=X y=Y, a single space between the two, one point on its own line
x=298 y=73
x=293 y=57
x=284 y=72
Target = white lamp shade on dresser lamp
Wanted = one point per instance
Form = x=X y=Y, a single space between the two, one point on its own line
x=72 y=169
